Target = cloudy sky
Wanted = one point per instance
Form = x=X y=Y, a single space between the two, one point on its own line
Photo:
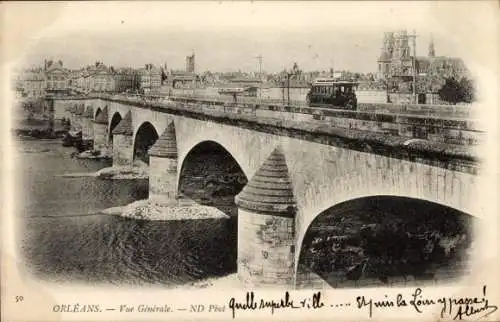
x=228 y=35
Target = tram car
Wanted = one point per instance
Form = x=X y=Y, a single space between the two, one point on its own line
x=331 y=93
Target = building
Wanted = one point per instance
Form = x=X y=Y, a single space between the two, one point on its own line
x=86 y=80
x=190 y=63
x=126 y=79
x=76 y=80
x=32 y=83
x=150 y=79
x=52 y=78
x=56 y=77
x=399 y=68
x=74 y=77
x=182 y=79
x=102 y=78
x=396 y=59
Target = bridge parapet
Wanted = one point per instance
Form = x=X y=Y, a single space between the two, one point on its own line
x=440 y=127
x=406 y=121
x=442 y=154
x=417 y=109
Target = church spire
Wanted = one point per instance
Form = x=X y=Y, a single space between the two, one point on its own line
x=432 y=52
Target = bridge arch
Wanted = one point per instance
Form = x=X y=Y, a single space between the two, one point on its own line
x=386 y=239
x=97 y=112
x=249 y=151
x=115 y=120
x=145 y=136
x=209 y=173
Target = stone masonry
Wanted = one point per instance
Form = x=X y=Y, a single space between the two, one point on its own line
x=79 y=110
x=123 y=145
x=100 y=129
x=163 y=166
x=87 y=126
x=266 y=225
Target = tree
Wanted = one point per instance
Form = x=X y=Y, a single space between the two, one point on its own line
x=454 y=91
x=451 y=91
x=467 y=90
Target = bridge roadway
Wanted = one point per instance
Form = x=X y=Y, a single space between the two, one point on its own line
x=297 y=166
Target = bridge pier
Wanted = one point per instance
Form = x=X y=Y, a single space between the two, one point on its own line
x=100 y=130
x=123 y=145
x=266 y=226
x=163 y=166
x=67 y=113
x=79 y=111
x=87 y=127
x=72 y=110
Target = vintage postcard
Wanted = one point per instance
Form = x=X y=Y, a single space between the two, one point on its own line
x=250 y=160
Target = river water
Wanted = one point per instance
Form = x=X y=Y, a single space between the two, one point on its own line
x=64 y=238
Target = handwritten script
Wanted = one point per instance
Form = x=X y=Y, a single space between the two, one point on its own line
x=450 y=307
x=458 y=308
x=251 y=303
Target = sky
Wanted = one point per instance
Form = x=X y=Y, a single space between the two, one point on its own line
x=227 y=36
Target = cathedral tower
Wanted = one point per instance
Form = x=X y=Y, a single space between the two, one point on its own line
x=385 y=55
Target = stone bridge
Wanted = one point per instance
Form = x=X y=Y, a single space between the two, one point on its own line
x=297 y=168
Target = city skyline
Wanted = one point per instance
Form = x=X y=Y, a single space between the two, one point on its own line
x=119 y=38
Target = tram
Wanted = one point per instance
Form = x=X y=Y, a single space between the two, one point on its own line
x=331 y=93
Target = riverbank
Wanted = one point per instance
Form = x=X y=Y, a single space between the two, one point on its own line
x=38 y=128
x=41 y=134
x=179 y=209
x=113 y=173
x=136 y=171
x=94 y=155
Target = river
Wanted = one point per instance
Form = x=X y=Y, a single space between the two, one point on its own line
x=64 y=238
